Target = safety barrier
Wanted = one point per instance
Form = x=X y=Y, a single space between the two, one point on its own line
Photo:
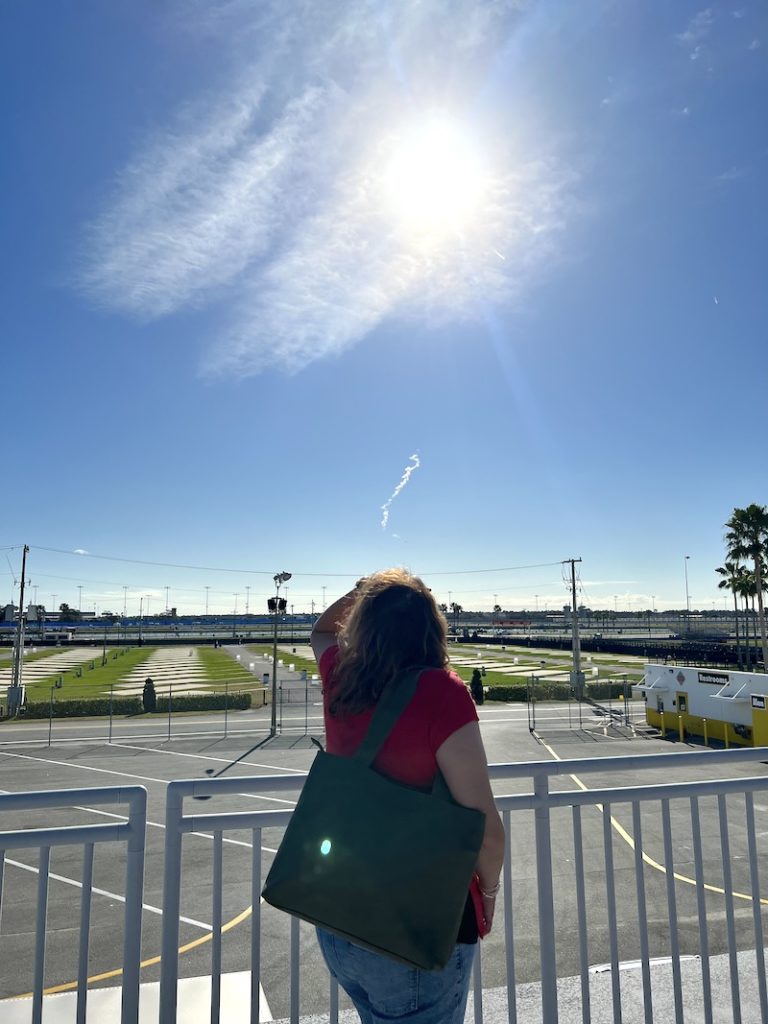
x=130 y=832
x=580 y=908
x=647 y=873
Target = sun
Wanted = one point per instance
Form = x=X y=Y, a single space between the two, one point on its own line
x=434 y=179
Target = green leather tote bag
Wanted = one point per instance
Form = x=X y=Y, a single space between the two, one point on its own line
x=379 y=863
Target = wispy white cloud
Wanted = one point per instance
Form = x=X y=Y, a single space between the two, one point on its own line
x=735 y=173
x=754 y=45
x=268 y=199
x=697 y=29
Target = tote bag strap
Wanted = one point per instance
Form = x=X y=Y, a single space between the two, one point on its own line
x=390 y=706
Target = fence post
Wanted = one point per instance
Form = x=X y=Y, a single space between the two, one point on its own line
x=134 y=896
x=680 y=729
x=545 y=899
x=169 y=967
x=706 y=744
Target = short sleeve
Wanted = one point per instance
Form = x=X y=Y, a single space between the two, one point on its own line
x=456 y=707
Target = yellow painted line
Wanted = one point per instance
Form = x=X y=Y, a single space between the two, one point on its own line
x=649 y=860
x=70 y=985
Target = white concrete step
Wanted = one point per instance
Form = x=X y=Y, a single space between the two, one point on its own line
x=194 y=1001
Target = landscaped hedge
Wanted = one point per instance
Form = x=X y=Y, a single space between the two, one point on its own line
x=205 y=702
x=133 y=706
x=83 y=708
x=606 y=691
x=555 y=691
x=519 y=692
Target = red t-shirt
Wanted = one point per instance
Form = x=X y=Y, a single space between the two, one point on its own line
x=440 y=706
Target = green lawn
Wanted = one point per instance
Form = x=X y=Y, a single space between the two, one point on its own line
x=220 y=666
x=38 y=655
x=84 y=681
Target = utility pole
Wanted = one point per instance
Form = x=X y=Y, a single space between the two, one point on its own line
x=577 y=676
x=14 y=695
x=279 y=578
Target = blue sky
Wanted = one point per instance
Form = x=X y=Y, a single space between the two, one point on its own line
x=225 y=334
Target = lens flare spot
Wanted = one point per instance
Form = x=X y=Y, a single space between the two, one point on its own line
x=325 y=847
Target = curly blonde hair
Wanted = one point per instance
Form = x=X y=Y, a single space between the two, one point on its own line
x=393 y=625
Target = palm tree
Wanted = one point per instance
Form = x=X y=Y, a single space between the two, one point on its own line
x=747 y=539
x=746 y=589
x=730 y=581
x=457 y=610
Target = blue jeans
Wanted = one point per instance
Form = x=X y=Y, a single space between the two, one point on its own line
x=384 y=990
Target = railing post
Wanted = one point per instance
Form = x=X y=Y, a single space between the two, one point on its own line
x=169 y=967
x=706 y=744
x=546 y=901
x=134 y=899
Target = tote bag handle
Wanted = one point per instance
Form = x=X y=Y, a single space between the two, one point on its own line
x=393 y=701
x=390 y=706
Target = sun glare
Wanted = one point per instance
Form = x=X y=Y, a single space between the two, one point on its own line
x=434 y=179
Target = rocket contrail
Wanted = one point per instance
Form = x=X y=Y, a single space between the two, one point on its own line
x=403 y=481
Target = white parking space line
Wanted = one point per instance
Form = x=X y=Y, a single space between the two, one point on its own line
x=128 y=775
x=158 y=824
x=206 y=757
x=158 y=734
x=103 y=892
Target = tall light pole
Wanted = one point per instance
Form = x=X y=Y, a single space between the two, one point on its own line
x=125 y=601
x=687 y=597
x=79 y=597
x=280 y=578
x=247 y=599
x=206 y=599
x=167 y=599
x=323 y=598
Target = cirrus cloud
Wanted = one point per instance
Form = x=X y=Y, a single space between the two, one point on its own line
x=266 y=202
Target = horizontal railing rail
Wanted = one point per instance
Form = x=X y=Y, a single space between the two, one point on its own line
x=131 y=833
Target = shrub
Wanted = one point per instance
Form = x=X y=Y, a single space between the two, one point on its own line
x=148 y=696
x=555 y=691
x=205 y=702
x=82 y=708
x=519 y=692
x=605 y=691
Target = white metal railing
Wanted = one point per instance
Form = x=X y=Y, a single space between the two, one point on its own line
x=131 y=833
x=539 y=824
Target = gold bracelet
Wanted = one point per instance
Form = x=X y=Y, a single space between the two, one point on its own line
x=490 y=894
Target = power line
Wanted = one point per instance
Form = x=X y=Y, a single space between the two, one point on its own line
x=269 y=572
